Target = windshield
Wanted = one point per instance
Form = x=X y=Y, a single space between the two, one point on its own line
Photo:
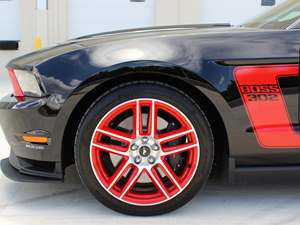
x=281 y=17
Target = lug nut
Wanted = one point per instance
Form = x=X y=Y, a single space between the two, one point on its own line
x=155 y=147
x=138 y=159
x=151 y=159
x=145 y=139
x=134 y=147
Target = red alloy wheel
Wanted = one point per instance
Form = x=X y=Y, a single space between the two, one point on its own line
x=144 y=152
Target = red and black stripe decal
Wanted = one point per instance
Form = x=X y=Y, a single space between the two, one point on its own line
x=265 y=104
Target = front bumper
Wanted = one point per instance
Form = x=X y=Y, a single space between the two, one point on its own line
x=35 y=117
x=18 y=175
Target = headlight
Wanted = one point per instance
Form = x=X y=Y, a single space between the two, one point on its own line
x=25 y=84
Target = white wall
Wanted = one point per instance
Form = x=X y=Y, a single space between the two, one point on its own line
x=9 y=30
x=9 y=22
x=231 y=11
x=5 y=86
x=171 y=12
x=94 y=16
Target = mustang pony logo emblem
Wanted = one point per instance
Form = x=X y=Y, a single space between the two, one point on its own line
x=145 y=151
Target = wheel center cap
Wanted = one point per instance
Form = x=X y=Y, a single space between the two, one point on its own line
x=145 y=151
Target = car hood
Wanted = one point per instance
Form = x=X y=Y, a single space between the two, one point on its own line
x=153 y=30
x=30 y=60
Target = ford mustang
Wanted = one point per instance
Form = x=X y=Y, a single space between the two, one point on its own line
x=148 y=115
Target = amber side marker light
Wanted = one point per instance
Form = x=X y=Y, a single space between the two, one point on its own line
x=35 y=139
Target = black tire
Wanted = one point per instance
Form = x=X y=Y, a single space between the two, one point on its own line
x=134 y=90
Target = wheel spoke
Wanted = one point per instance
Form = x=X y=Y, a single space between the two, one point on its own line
x=119 y=172
x=170 y=136
x=178 y=149
x=131 y=181
x=152 y=173
x=151 y=119
x=169 y=173
x=108 y=148
x=115 y=134
x=138 y=119
x=152 y=124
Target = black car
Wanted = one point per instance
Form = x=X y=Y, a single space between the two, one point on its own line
x=147 y=114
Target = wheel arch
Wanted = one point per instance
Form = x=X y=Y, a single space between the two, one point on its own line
x=177 y=81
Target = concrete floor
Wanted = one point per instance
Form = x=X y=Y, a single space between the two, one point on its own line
x=69 y=203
